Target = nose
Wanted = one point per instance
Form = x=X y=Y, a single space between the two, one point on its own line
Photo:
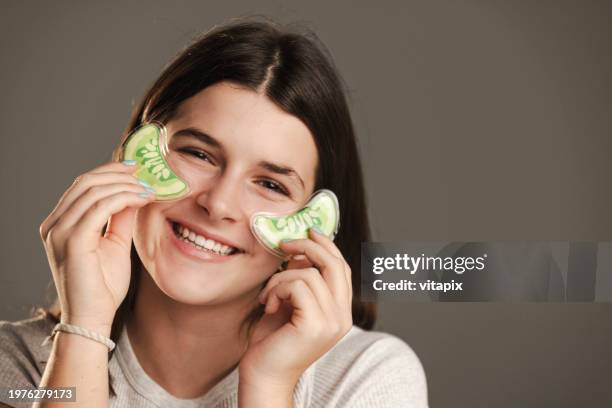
x=221 y=199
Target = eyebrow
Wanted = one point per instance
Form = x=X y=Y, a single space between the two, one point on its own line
x=198 y=134
x=211 y=141
x=286 y=171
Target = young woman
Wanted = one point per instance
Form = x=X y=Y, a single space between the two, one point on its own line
x=257 y=121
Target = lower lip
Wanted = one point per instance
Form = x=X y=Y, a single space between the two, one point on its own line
x=191 y=251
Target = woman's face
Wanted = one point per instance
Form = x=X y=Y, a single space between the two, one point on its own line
x=240 y=154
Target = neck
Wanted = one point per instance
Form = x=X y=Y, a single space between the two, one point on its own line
x=186 y=349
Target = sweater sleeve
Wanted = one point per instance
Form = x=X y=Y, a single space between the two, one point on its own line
x=386 y=374
x=22 y=357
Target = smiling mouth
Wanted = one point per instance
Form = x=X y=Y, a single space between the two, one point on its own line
x=201 y=242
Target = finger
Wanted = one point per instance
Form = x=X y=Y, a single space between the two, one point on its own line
x=120 y=227
x=80 y=185
x=311 y=277
x=96 y=216
x=298 y=262
x=119 y=168
x=327 y=243
x=331 y=267
x=297 y=294
x=88 y=180
x=93 y=196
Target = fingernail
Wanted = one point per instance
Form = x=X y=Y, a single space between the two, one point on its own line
x=129 y=162
x=145 y=195
x=316 y=229
x=285 y=241
x=147 y=186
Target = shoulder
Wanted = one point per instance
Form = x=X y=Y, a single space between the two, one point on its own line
x=372 y=346
x=22 y=355
x=371 y=369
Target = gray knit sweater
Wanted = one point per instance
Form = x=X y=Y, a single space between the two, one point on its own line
x=364 y=369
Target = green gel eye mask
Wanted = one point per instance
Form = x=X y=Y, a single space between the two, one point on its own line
x=321 y=210
x=147 y=147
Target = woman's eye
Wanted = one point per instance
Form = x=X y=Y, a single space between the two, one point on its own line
x=274 y=186
x=198 y=153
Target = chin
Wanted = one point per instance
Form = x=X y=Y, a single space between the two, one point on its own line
x=190 y=295
x=191 y=288
x=206 y=285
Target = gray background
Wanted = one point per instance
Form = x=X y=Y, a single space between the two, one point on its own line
x=478 y=120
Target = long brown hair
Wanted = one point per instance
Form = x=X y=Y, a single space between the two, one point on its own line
x=293 y=70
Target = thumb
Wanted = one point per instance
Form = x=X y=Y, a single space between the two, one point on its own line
x=120 y=226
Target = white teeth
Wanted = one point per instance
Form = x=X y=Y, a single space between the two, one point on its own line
x=202 y=243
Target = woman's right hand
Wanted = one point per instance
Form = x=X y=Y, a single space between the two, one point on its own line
x=92 y=272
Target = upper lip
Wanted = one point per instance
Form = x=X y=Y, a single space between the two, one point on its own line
x=207 y=234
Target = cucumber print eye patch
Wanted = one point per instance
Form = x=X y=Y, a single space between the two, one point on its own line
x=321 y=210
x=147 y=147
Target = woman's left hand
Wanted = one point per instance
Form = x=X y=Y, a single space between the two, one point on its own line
x=308 y=310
